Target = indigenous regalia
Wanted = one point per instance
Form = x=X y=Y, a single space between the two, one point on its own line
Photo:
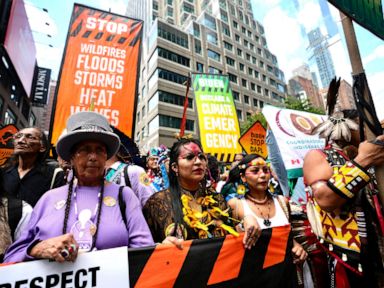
x=347 y=238
x=205 y=215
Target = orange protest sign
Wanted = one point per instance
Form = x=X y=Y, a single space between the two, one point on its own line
x=253 y=140
x=99 y=71
x=6 y=142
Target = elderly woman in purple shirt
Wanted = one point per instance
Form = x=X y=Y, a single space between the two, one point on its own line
x=85 y=214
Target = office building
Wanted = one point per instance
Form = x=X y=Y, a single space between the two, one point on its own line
x=318 y=44
x=217 y=36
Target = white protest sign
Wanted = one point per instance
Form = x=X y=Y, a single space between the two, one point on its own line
x=292 y=130
x=105 y=268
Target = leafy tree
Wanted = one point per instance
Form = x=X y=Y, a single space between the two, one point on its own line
x=257 y=116
x=302 y=105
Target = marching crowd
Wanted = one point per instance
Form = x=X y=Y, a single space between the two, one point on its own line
x=98 y=195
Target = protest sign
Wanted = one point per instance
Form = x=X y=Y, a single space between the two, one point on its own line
x=218 y=123
x=253 y=140
x=99 y=71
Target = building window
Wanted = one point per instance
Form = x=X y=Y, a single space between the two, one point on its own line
x=188 y=8
x=246 y=99
x=237 y=38
x=175 y=122
x=250 y=71
x=153 y=125
x=155 y=5
x=236 y=95
x=253 y=86
x=143 y=111
x=153 y=102
x=171 y=98
x=199 y=67
x=169 y=55
x=232 y=10
x=230 y=61
x=241 y=67
x=264 y=78
x=255 y=102
x=212 y=37
x=256 y=74
x=173 y=37
x=210 y=22
x=248 y=57
x=226 y=30
x=235 y=24
x=243 y=30
x=239 y=52
x=172 y=76
x=261 y=104
x=196 y=30
x=9 y=117
x=232 y=78
x=253 y=60
x=266 y=92
x=261 y=64
x=32 y=120
x=258 y=89
x=224 y=16
x=243 y=82
x=170 y=11
x=213 y=70
x=197 y=47
x=228 y=46
x=239 y=114
x=213 y=55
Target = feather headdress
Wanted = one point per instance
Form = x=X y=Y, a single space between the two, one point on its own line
x=337 y=127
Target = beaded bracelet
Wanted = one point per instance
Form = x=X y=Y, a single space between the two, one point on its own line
x=349 y=179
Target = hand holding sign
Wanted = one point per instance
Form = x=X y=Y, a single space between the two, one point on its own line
x=60 y=249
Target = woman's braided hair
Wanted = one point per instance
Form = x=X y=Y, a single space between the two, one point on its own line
x=68 y=204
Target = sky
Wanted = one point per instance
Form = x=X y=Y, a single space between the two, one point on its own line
x=283 y=28
x=285 y=39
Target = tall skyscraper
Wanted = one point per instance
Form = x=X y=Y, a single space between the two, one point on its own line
x=209 y=36
x=327 y=17
x=319 y=47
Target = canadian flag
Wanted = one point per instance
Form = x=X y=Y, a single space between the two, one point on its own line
x=293 y=161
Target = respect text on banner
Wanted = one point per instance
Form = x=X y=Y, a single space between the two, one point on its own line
x=218 y=262
x=106 y=268
x=218 y=123
x=99 y=71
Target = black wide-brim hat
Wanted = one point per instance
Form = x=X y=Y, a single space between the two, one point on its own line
x=84 y=126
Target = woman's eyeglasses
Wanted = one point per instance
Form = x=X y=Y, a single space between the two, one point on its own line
x=27 y=136
x=255 y=170
x=192 y=156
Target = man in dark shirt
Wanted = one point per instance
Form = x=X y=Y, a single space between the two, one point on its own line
x=27 y=175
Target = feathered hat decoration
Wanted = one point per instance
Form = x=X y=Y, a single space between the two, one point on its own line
x=337 y=127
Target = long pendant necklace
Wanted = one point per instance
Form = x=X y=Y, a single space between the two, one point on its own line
x=84 y=229
x=267 y=222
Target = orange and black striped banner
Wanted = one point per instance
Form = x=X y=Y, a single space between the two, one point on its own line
x=221 y=262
